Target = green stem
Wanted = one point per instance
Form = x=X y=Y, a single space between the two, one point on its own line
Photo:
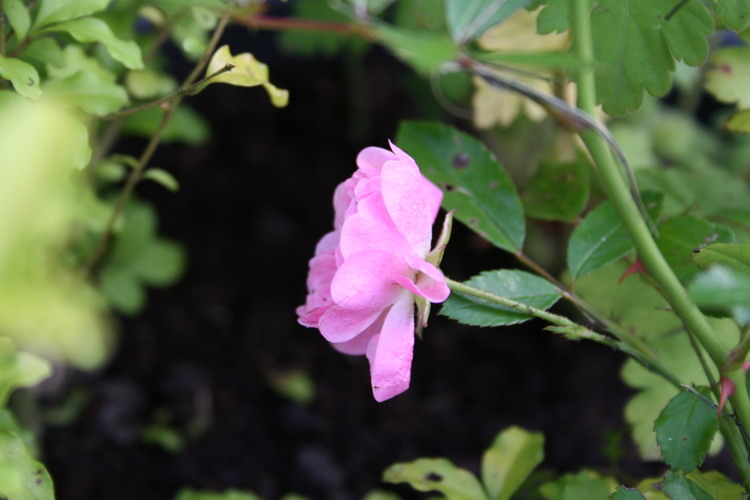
x=628 y=212
x=570 y=327
x=181 y=92
x=2 y=29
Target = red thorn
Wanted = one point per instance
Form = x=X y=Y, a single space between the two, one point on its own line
x=635 y=267
x=727 y=389
x=746 y=366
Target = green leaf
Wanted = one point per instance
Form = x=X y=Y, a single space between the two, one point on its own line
x=22 y=75
x=90 y=29
x=601 y=238
x=423 y=50
x=635 y=47
x=716 y=484
x=88 y=91
x=678 y=487
x=586 y=484
x=122 y=290
x=190 y=494
x=680 y=237
x=474 y=183
x=308 y=44
x=19 y=369
x=44 y=51
x=380 y=495
x=739 y=122
x=510 y=459
x=163 y=178
x=723 y=290
x=732 y=255
x=734 y=14
x=685 y=429
x=436 y=474
x=623 y=493
x=55 y=11
x=467 y=19
x=555 y=16
x=149 y=84
x=247 y=72
x=558 y=191
x=517 y=285
x=22 y=477
x=19 y=18
x=186 y=126
x=161 y=263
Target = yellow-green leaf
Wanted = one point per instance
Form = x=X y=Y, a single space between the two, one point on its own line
x=246 y=71
x=22 y=75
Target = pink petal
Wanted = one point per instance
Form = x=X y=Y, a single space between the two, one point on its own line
x=370 y=160
x=358 y=345
x=400 y=153
x=361 y=233
x=430 y=282
x=339 y=324
x=343 y=198
x=390 y=353
x=412 y=202
x=365 y=281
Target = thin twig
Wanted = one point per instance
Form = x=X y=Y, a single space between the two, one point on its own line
x=182 y=91
x=137 y=172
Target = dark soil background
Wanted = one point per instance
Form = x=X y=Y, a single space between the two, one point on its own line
x=253 y=203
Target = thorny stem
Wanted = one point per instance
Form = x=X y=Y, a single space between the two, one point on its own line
x=637 y=228
x=182 y=91
x=137 y=172
x=292 y=24
x=571 y=327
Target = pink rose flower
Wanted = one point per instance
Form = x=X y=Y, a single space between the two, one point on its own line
x=366 y=273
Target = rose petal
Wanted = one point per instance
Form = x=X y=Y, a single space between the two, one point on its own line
x=412 y=202
x=390 y=353
x=361 y=233
x=370 y=160
x=358 y=345
x=430 y=282
x=400 y=153
x=339 y=324
x=365 y=281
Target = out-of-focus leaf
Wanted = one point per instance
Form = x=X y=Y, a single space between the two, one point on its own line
x=635 y=48
x=586 y=484
x=601 y=238
x=55 y=11
x=44 y=51
x=680 y=237
x=161 y=264
x=122 y=290
x=19 y=18
x=506 y=464
x=311 y=43
x=730 y=67
x=467 y=19
x=436 y=474
x=678 y=487
x=88 y=91
x=163 y=178
x=165 y=437
x=716 y=484
x=623 y=493
x=420 y=14
x=295 y=385
x=685 y=429
x=22 y=477
x=19 y=369
x=554 y=17
x=148 y=84
x=558 y=191
x=640 y=309
x=725 y=291
x=423 y=50
x=22 y=75
x=90 y=29
x=735 y=14
x=247 y=72
x=381 y=495
x=739 y=122
x=186 y=126
x=516 y=285
x=474 y=183
x=732 y=255
x=190 y=494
